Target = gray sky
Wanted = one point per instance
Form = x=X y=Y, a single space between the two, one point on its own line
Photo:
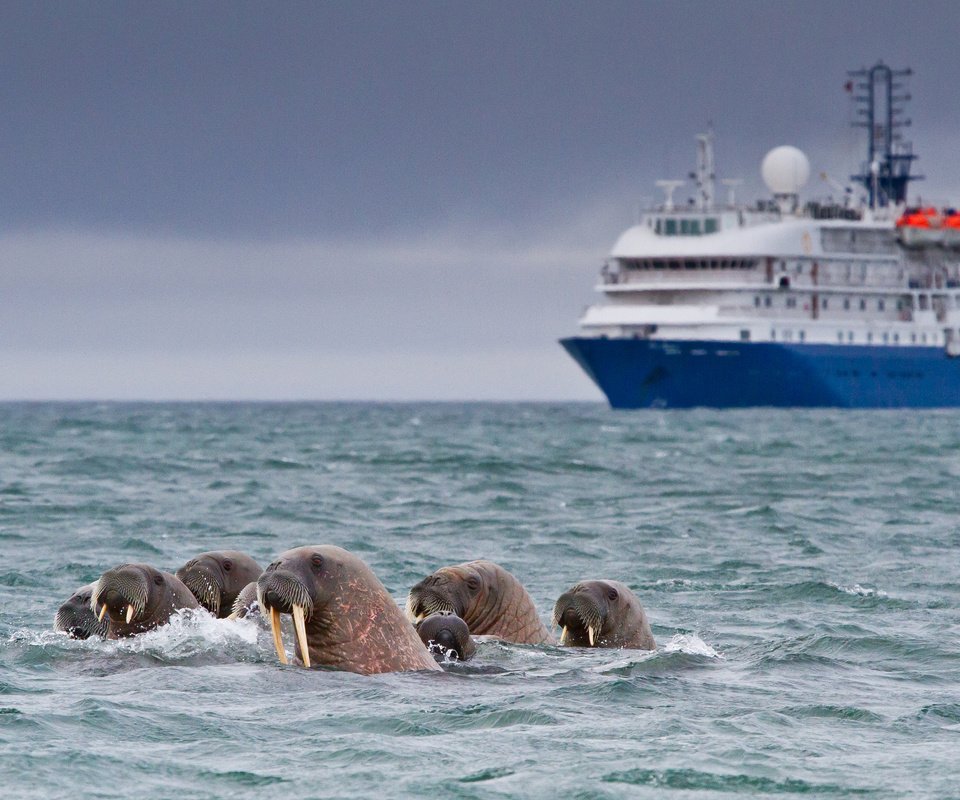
x=383 y=200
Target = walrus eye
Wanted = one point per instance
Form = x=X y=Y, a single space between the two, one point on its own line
x=612 y=594
x=317 y=562
x=227 y=565
x=473 y=583
x=158 y=579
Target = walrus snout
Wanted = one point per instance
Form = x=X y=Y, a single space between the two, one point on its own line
x=76 y=618
x=205 y=583
x=280 y=591
x=581 y=616
x=121 y=593
x=449 y=633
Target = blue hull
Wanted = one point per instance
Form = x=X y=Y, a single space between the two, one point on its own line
x=644 y=373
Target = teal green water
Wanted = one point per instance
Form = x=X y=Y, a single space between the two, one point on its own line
x=801 y=570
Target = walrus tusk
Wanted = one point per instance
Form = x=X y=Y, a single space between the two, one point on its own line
x=277 y=639
x=563 y=635
x=298 y=624
x=129 y=614
x=590 y=634
x=103 y=612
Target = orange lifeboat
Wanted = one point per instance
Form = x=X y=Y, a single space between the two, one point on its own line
x=921 y=227
x=951 y=230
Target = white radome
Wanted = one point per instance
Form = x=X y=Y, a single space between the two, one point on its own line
x=785 y=170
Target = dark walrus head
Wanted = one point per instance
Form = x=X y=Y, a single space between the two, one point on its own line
x=76 y=618
x=134 y=598
x=217 y=578
x=602 y=614
x=246 y=603
x=343 y=616
x=444 y=634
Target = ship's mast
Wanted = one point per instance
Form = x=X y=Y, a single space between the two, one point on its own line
x=880 y=98
x=706 y=172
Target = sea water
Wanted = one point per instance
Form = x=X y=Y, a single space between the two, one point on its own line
x=801 y=570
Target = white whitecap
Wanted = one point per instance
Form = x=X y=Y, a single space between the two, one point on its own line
x=691 y=644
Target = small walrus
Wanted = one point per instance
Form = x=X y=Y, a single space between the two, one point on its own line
x=343 y=616
x=136 y=598
x=602 y=614
x=246 y=603
x=486 y=597
x=217 y=578
x=445 y=633
x=75 y=617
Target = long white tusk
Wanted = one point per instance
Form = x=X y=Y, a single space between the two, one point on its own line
x=300 y=627
x=590 y=634
x=129 y=614
x=103 y=612
x=277 y=639
x=563 y=635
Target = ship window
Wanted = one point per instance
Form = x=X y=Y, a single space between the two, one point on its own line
x=802 y=335
x=913 y=338
x=773 y=335
x=791 y=302
x=863 y=305
x=690 y=264
x=684 y=227
x=846 y=303
x=744 y=335
x=799 y=268
x=674 y=264
x=710 y=225
x=756 y=301
x=923 y=338
x=896 y=338
x=784 y=283
x=670 y=227
x=826 y=302
x=659 y=264
x=695 y=227
x=886 y=337
x=767 y=301
x=869 y=337
x=839 y=336
x=849 y=336
x=880 y=305
x=659 y=226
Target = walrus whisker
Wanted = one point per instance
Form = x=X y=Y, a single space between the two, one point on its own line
x=277 y=638
x=301 y=630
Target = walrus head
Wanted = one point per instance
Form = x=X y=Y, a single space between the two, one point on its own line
x=137 y=598
x=602 y=614
x=449 y=590
x=217 y=577
x=449 y=633
x=246 y=602
x=299 y=584
x=343 y=616
x=75 y=617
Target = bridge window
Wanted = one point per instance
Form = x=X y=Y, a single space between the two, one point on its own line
x=670 y=227
x=710 y=225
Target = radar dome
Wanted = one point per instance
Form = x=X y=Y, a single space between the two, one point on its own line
x=785 y=170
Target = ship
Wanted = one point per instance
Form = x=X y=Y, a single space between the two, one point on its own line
x=850 y=302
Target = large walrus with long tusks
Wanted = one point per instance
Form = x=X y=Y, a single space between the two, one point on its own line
x=217 y=578
x=343 y=616
x=485 y=596
x=134 y=598
x=75 y=617
x=602 y=614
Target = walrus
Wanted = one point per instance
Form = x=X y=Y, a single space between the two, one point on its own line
x=136 y=597
x=75 y=617
x=602 y=614
x=246 y=603
x=343 y=616
x=217 y=577
x=445 y=633
x=486 y=597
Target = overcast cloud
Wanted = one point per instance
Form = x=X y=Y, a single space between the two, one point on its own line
x=388 y=200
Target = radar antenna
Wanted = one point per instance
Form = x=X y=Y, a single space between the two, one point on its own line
x=880 y=96
x=669 y=187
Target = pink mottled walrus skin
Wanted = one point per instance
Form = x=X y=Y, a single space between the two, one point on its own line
x=488 y=598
